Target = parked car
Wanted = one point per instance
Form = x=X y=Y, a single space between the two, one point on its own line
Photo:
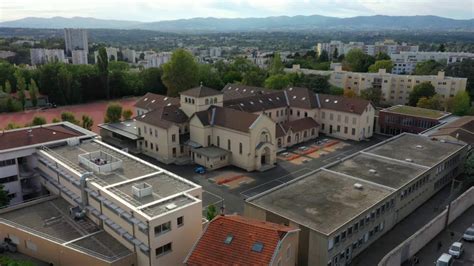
x=200 y=170
x=469 y=234
x=303 y=148
x=456 y=249
x=445 y=260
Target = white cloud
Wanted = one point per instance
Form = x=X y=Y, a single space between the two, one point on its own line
x=154 y=10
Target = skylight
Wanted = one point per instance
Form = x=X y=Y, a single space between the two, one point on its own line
x=228 y=239
x=152 y=101
x=166 y=98
x=304 y=98
x=257 y=247
x=146 y=99
x=327 y=100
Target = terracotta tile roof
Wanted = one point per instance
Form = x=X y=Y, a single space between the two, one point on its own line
x=164 y=117
x=300 y=124
x=201 y=91
x=21 y=137
x=301 y=98
x=259 y=102
x=152 y=101
x=211 y=248
x=462 y=129
x=236 y=91
x=227 y=117
x=342 y=104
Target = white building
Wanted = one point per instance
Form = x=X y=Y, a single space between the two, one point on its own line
x=111 y=54
x=387 y=46
x=405 y=62
x=129 y=55
x=157 y=59
x=215 y=52
x=79 y=57
x=41 y=56
x=76 y=39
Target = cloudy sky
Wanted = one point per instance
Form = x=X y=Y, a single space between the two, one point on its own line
x=155 y=10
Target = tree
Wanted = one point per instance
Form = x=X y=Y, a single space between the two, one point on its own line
x=151 y=78
x=276 y=66
x=441 y=48
x=336 y=90
x=87 y=122
x=69 y=117
x=461 y=103
x=56 y=120
x=127 y=114
x=209 y=76
x=38 y=120
x=349 y=93
x=463 y=69
x=211 y=212
x=4 y=198
x=317 y=83
x=356 y=60
x=142 y=56
x=425 y=89
x=372 y=94
x=113 y=113
x=382 y=56
x=277 y=82
x=180 y=73
x=435 y=102
x=21 y=87
x=430 y=67
x=22 y=97
x=324 y=57
x=8 y=87
x=103 y=66
x=381 y=64
x=335 y=55
x=12 y=125
x=254 y=77
x=33 y=92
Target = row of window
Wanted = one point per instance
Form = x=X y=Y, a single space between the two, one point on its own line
x=166 y=227
x=414 y=187
x=7 y=162
x=445 y=179
x=8 y=179
x=346 y=118
x=229 y=144
x=338 y=129
x=341 y=237
x=188 y=100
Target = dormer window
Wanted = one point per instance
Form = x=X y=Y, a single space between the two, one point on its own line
x=228 y=239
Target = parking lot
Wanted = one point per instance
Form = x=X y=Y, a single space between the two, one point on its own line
x=230 y=186
x=441 y=243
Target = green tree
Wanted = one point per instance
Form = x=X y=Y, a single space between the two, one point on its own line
x=336 y=90
x=127 y=114
x=254 y=77
x=348 y=93
x=425 y=89
x=277 y=82
x=464 y=69
x=151 y=78
x=372 y=94
x=21 y=87
x=381 y=64
x=469 y=169
x=356 y=60
x=430 y=67
x=12 y=125
x=8 y=87
x=335 y=55
x=232 y=77
x=4 y=198
x=33 y=92
x=56 y=120
x=276 y=66
x=22 y=97
x=69 y=117
x=87 y=122
x=441 y=48
x=323 y=57
x=461 y=103
x=113 y=113
x=435 y=102
x=209 y=76
x=317 y=83
x=382 y=56
x=38 y=120
x=211 y=212
x=103 y=66
x=180 y=73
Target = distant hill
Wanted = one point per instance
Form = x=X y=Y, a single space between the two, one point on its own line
x=280 y=23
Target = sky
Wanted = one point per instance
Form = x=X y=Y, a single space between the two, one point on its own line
x=156 y=10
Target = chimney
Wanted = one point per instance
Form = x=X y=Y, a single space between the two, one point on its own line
x=222 y=210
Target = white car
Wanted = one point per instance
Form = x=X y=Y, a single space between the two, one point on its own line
x=469 y=234
x=444 y=260
x=303 y=148
x=456 y=249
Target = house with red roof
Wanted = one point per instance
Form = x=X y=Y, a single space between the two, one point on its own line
x=237 y=240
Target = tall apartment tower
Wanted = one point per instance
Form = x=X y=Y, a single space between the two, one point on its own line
x=75 y=39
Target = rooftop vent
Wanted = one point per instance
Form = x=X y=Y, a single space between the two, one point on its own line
x=278 y=98
x=335 y=101
x=251 y=91
x=270 y=99
x=143 y=116
x=294 y=97
x=171 y=206
x=146 y=99
x=419 y=146
x=327 y=100
x=244 y=90
x=152 y=101
x=372 y=171
x=290 y=89
x=241 y=104
x=409 y=160
x=251 y=102
x=229 y=88
x=236 y=89
x=166 y=98
x=169 y=104
x=141 y=190
x=358 y=186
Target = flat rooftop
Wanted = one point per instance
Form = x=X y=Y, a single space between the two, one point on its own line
x=416 y=111
x=31 y=136
x=126 y=129
x=51 y=220
x=323 y=201
x=385 y=172
x=419 y=149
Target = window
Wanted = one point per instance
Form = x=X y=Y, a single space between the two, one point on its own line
x=207 y=101
x=353 y=131
x=323 y=115
x=8 y=179
x=305 y=114
x=163 y=250
x=156 y=133
x=156 y=147
x=151 y=131
x=240 y=148
x=345 y=130
x=228 y=144
x=257 y=247
x=173 y=138
x=218 y=141
x=139 y=134
x=174 y=152
x=322 y=126
x=228 y=239
x=146 y=144
x=162 y=228
x=331 y=116
x=288 y=252
x=151 y=145
x=180 y=221
x=298 y=113
x=354 y=120
x=209 y=140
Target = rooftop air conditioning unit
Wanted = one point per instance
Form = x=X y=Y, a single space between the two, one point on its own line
x=171 y=206
x=141 y=190
x=358 y=186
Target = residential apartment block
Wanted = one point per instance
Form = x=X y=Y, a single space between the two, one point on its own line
x=111 y=54
x=79 y=57
x=76 y=39
x=41 y=56
x=405 y=62
x=122 y=210
x=343 y=207
x=395 y=88
x=241 y=125
x=236 y=240
x=388 y=46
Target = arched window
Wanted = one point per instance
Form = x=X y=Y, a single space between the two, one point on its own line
x=215 y=99
x=207 y=101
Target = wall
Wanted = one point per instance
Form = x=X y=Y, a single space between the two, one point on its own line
x=418 y=240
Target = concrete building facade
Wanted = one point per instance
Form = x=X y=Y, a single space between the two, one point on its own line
x=388 y=46
x=41 y=56
x=79 y=57
x=76 y=39
x=405 y=62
